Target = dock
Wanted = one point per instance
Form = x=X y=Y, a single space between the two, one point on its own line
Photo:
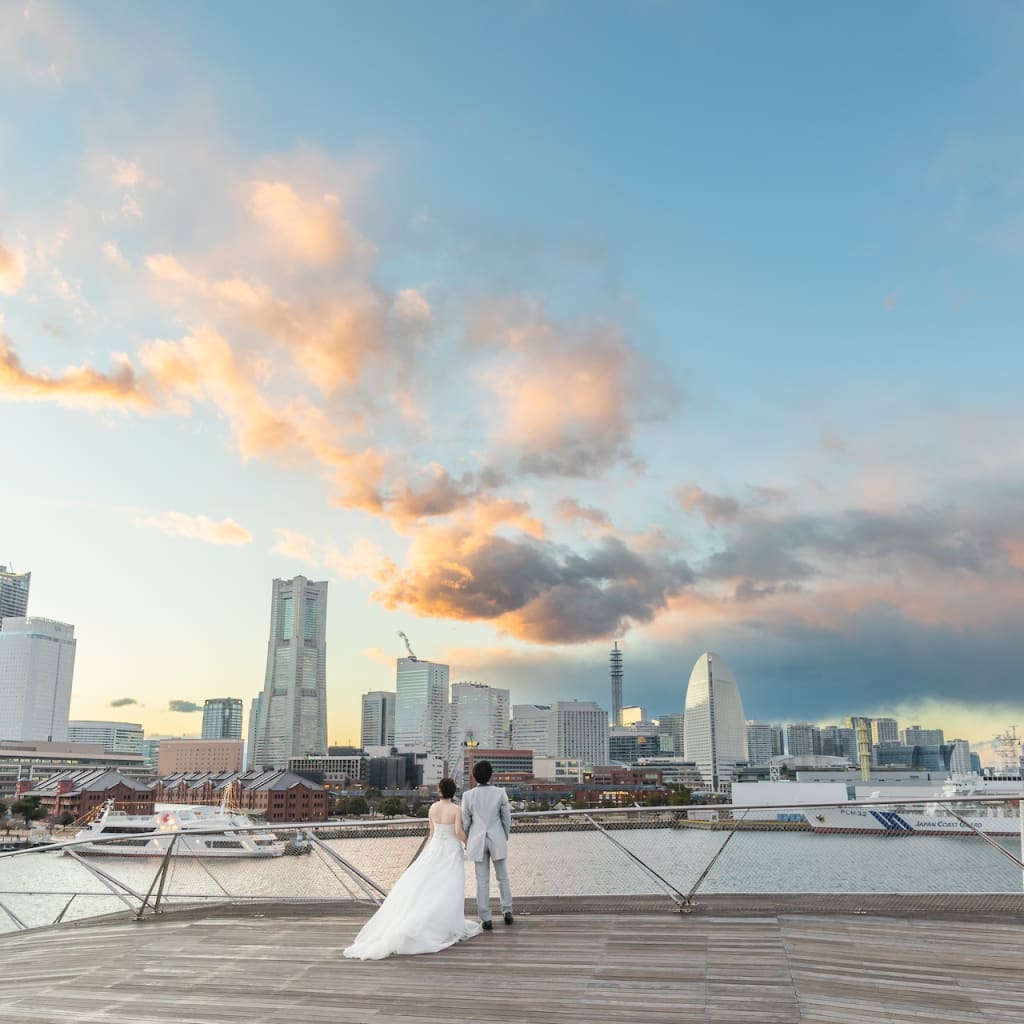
x=649 y=965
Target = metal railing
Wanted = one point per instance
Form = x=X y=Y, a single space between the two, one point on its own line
x=948 y=855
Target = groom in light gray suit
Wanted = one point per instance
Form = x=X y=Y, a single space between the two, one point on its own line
x=486 y=819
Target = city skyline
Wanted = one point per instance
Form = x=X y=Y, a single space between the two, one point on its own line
x=712 y=350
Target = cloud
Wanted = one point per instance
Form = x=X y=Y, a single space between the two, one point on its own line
x=713 y=507
x=123 y=702
x=77 y=386
x=310 y=229
x=184 y=706
x=125 y=173
x=296 y=546
x=177 y=524
x=112 y=254
x=12 y=269
x=569 y=510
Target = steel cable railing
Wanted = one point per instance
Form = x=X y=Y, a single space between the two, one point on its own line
x=617 y=859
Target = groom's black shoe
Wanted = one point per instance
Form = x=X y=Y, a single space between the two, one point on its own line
x=488 y=926
x=508 y=917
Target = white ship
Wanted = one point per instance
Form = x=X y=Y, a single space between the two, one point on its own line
x=182 y=822
x=937 y=818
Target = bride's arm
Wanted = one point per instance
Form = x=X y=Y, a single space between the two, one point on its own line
x=459 y=830
x=430 y=820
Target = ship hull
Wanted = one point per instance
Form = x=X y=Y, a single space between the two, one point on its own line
x=869 y=821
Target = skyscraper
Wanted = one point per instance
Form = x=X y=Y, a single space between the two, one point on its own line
x=885 y=730
x=715 y=728
x=37 y=664
x=759 y=742
x=378 y=720
x=421 y=705
x=222 y=719
x=531 y=729
x=293 y=712
x=579 y=728
x=802 y=739
x=479 y=714
x=13 y=594
x=672 y=726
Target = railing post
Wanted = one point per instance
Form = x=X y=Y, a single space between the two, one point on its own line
x=158 y=880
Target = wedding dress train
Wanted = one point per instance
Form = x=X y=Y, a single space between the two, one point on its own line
x=423 y=913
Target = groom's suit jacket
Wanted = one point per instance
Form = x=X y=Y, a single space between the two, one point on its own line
x=487 y=820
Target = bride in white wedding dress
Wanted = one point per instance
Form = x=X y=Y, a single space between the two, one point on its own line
x=423 y=913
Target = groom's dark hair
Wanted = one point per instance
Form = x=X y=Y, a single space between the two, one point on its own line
x=482 y=772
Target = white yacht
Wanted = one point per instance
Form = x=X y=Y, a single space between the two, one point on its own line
x=182 y=822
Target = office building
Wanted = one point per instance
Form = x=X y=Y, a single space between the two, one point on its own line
x=631 y=742
x=975 y=763
x=378 y=719
x=915 y=736
x=13 y=594
x=478 y=717
x=802 y=739
x=222 y=719
x=759 y=742
x=579 y=728
x=421 y=705
x=531 y=728
x=960 y=759
x=634 y=715
x=199 y=756
x=35 y=760
x=839 y=741
x=715 y=727
x=885 y=730
x=37 y=664
x=508 y=765
x=670 y=729
x=114 y=737
x=151 y=751
x=293 y=711
x=335 y=773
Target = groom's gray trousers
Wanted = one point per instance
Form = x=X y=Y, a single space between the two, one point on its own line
x=483 y=885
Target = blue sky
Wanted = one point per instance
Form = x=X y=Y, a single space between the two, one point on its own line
x=377 y=292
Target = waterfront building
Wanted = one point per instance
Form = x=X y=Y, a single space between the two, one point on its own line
x=222 y=718
x=378 y=719
x=33 y=761
x=114 y=737
x=199 y=756
x=531 y=728
x=579 y=728
x=14 y=587
x=915 y=736
x=885 y=730
x=630 y=742
x=716 y=729
x=81 y=790
x=37 y=665
x=802 y=738
x=293 y=712
x=960 y=759
x=675 y=771
x=421 y=705
x=671 y=728
x=274 y=795
x=478 y=716
x=759 y=742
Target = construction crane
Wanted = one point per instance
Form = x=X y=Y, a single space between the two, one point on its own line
x=408 y=646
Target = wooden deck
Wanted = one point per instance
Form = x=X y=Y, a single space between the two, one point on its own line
x=285 y=967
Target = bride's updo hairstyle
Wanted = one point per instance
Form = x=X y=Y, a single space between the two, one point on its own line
x=446 y=787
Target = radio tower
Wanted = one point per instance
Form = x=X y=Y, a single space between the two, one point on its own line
x=616 y=664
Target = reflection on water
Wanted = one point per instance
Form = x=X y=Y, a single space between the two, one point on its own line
x=543 y=864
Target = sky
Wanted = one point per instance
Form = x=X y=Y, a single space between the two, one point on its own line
x=527 y=326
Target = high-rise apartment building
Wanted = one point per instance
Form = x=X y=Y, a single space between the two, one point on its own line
x=115 y=737
x=579 y=728
x=839 y=741
x=293 y=712
x=222 y=718
x=803 y=739
x=531 y=729
x=778 y=739
x=37 y=664
x=13 y=594
x=672 y=728
x=885 y=730
x=479 y=715
x=915 y=736
x=421 y=705
x=378 y=720
x=759 y=742
x=716 y=729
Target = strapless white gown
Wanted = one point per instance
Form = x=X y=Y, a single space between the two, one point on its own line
x=423 y=913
